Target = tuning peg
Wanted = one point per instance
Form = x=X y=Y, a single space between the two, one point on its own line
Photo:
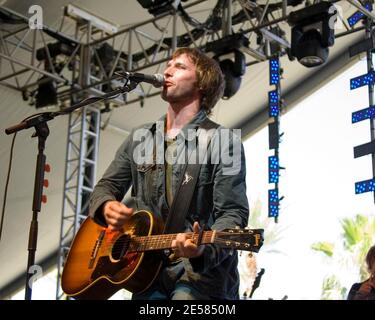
x=47 y=167
x=45 y=183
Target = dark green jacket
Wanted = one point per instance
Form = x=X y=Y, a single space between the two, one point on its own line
x=219 y=200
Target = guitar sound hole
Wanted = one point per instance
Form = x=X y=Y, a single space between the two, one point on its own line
x=120 y=247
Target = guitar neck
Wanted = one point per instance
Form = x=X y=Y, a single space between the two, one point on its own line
x=164 y=241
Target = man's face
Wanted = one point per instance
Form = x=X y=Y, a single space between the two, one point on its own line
x=180 y=81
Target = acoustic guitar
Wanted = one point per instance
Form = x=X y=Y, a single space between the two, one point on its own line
x=100 y=261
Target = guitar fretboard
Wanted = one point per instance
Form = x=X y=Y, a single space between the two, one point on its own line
x=164 y=241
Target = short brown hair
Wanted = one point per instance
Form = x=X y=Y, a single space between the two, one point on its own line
x=210 y=79
x=370 y=257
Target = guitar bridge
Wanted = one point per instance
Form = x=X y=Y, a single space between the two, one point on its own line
x=95 y=250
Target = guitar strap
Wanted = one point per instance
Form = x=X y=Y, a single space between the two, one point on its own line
x=188 y=180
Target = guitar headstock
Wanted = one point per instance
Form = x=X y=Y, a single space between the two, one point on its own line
x=241 y=239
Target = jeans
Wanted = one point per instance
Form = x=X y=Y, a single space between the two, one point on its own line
x=181 y=292
x=167 y=287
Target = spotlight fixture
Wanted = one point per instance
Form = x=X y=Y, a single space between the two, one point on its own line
x=232 y=71
x=158 y=7
x=294 y=3
x=231 y=59
x=54 y=49
x=106 y=55
x=46 y=94
x=312 y=33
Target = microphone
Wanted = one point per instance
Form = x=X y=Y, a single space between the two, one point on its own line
x=157 y=79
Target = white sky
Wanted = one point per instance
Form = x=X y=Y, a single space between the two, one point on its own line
x=318 y=185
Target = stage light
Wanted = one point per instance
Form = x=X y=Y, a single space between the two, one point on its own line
x=293 y=3
x=358 y=15
x=274 y=137
x=273 y=169
x=274 y=66
x=273 y=103
x=157 y=7
x=232 y=68
x=55 y=49
x=231 y=59
x=312 y=33
x=273 y=203
x=363 y=80
x=365 y=186
x=232 y=71
x=106 y=56
x=46 y=94
x=363 y=114
x=232 y=83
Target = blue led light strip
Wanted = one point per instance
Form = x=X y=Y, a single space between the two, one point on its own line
x=273 y=169
x=273 y=203
x=365 y=186
x=273 y=103
x=274 y=65
x=363 y=114
x=363 y=80
x=358 y=15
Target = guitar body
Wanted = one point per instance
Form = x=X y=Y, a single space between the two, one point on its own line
x=100 y=262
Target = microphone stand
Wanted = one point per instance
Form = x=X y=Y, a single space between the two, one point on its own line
x=39 y=122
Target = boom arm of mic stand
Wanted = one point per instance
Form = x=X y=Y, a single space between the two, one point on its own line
x=129 y=85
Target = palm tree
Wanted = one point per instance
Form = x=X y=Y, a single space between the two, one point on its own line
x=358 y=235
x=247 y=266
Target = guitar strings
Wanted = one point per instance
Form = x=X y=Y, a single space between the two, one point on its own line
x=154 y=242
x=158 y=239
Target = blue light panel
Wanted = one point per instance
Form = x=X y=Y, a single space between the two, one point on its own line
x=358 y=15
x=365 y=186
x=273 y=203
x=273 y=103
x=273 y=169
x=363 y=114
x=274 y=71
x=364 y=80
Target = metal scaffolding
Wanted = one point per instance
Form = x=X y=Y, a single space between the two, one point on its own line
x=32 y=53
x=79 y=178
